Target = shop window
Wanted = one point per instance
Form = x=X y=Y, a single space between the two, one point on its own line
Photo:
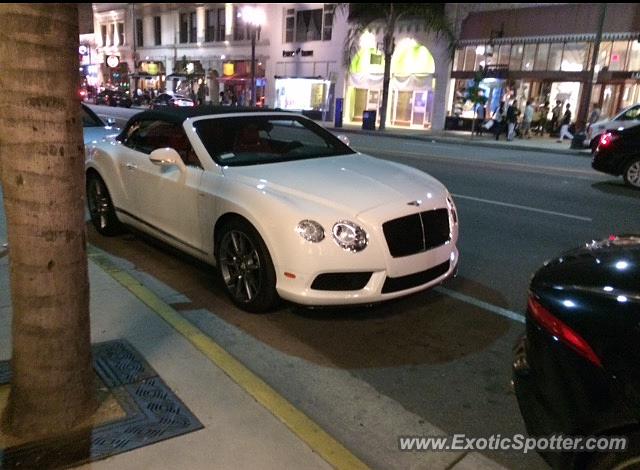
x=515 y=59
x=470 y=59
x=618 y=55
x=574 y=58
x=139 y=33
x=603 y=54
x=541 y=57
x=503 y=55
x=634 y=56
x=528 y=56
x=555 y=56
x=157 y=30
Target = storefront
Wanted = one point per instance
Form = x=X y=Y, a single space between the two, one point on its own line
x=307 y=95
x=235 y=82
x=187 y=78
x=149 y=75
x=411 y=89
x=546 y=68
x=115 y=73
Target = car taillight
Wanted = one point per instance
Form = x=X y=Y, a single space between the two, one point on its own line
x=607 y=138
x=561 y=331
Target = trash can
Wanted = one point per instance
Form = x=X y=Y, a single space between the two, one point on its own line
x=578 y=140
x=369 y=120
x=338 y=115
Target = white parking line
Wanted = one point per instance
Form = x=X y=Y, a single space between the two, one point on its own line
x=483 y=305
x=527 y=208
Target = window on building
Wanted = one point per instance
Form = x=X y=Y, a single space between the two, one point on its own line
x=210 y=26
x=618 y=55
x=309 y=25
x=139 y=33
x=470 y=59
x=503 y=54
x=239 y=26
x=634 y=56
x=528 y=56
x=157 y=30
x=458 y=60
x=541 y=57
x=193 y=27
x=221 y=25
x=555 y=56
x=121 y=34
x=103 y=33
x=515 y=59
x=289 y=25
x=184 y=27
x=328 y=22
x=112 y=35
x=603 y=54
x=574 y=58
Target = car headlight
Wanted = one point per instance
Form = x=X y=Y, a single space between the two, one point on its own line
x=350 y=236
x=452 y=209
x=310 y=230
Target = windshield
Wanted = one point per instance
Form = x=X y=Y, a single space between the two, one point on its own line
x=255 y=140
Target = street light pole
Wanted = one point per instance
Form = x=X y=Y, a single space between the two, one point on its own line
x=253 y=65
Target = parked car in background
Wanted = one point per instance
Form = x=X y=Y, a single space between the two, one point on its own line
x=170 y=100
x=114 y=98
x=576 y=371
x=95 y=129
x=618 y=153
x=628 y=117
x=280 y=205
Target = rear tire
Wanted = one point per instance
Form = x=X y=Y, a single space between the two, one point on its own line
x=101 y=209
x=632 y=173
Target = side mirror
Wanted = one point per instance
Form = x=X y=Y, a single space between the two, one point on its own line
x=167 y=157
x=111 y=121
x=344 y=139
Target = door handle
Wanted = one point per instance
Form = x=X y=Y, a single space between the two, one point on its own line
x=131 y=166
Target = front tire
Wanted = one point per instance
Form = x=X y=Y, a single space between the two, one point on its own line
x=632 y=173
x=101 y=209
x=245 y=267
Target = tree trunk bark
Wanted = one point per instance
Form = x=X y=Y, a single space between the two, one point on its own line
x=385 y=90
x=42 y=169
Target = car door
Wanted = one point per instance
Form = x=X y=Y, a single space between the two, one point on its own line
x=168 y=196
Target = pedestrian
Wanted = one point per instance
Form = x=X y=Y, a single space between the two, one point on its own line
x=595 y=114
x=544 y=114
x=512 y=119
x=566 y=121
x=555 y=117
x=498 y=120
x=223 y=99
x=527 y=119
x=480 y=115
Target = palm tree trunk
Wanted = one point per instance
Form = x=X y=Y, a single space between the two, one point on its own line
x=385 y=90
x=42 y=169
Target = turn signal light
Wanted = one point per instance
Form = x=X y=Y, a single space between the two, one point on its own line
x=561 y=331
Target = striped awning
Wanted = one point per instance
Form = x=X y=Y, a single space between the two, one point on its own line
x=557 y=38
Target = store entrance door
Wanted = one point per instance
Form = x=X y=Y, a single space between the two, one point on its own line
x=402 y=115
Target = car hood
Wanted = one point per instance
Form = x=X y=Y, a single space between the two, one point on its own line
x=97 y=134
x=613 y=264
x=353 y=182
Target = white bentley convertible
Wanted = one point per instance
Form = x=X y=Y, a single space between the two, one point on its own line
x=277 y=203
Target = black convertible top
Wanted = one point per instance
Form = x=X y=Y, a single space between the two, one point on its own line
x=179 y=114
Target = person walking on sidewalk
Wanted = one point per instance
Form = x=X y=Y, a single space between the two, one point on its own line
x=512 y=119
x=480 y=115
x=527 y=119
x=555 y=117
x=542 y=124
x=498 y=119
x=566 y=121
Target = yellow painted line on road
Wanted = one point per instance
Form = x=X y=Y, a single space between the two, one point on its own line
x=300 y=424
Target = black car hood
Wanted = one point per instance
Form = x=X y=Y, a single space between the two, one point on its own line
x=596 y=267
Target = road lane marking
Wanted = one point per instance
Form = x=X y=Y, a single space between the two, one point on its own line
x=527 y=208
x=332 y=451
x=489 y=163
x=483 y=305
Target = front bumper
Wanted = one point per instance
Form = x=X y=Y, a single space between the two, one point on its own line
x=430 y=267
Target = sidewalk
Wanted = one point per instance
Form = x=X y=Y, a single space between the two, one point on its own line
x=535 y=144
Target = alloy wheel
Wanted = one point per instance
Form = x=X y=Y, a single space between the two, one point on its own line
x=99 y=204
x=633 y=174
x=240 y=266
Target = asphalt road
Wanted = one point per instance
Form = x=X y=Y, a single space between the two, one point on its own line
x=434 y=362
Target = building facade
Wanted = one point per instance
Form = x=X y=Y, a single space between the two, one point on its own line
x=544 y=54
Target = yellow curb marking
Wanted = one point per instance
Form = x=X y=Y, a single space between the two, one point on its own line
x=313 y=435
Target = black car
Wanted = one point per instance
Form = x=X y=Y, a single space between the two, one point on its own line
x=114 y=98
x=577 y=370
x=166 y=100
x=618 y=153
